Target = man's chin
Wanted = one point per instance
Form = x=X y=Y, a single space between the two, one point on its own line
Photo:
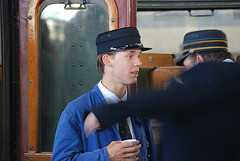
x=133 y=82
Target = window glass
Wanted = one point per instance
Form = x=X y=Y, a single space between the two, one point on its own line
x=164 y=30
x=67 y=60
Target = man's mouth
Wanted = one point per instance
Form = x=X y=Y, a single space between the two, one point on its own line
x=135 y=73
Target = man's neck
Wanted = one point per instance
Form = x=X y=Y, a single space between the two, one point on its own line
x=118 y=89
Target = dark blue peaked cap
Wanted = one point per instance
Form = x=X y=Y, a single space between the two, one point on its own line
x=203 y=40
x=119 y=39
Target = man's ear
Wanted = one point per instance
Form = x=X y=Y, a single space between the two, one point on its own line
x=105 y=59
x=199 y=59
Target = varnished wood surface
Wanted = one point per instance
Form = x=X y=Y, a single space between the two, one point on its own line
x=151 y=60
x=33 y=75
x=162 y=76
x=238 y=58
x=38 y=156
x=113 y=14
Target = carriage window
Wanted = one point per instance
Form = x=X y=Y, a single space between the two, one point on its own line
x=164 y=30
x=67 y=60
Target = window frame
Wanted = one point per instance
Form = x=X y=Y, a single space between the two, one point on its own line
x=33 y=71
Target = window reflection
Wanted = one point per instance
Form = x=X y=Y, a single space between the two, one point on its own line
x=67 y=60
x=57 y=12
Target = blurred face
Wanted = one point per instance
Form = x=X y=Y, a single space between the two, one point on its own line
x=191 y=61
x=125 y=66
x=188 y=63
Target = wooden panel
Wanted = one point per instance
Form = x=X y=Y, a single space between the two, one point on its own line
x=238 y=58
x=33 y=86
x=113 y=14
x=38 y=156
x=151 y=60
x=162 y=76
x=0 y=73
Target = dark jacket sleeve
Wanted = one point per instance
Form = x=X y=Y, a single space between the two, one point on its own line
x=194 y=91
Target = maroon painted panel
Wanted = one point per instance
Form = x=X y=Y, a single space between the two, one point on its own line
x=127 y=12
x=23 y=4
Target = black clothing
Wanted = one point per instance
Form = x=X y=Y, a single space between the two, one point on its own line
x=124 y=130
x=200 y=112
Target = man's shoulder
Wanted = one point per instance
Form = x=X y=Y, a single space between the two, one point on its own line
x=85 y=102
x=211 y=75
x=218 y=65
x=213 y=68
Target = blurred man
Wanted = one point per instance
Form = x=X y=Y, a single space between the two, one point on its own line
x=203 y=46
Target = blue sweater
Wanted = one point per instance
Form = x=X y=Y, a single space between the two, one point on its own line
x=71 y=143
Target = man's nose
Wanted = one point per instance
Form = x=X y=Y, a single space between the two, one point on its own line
x=138 y=62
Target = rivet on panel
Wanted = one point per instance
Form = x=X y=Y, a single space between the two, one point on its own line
x=81 y=28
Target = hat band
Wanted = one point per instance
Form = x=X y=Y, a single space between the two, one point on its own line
x=128 y=46
x=206 y=48
x=199 y=42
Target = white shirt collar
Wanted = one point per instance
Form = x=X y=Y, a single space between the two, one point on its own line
x=228 y=60
x=110 y=97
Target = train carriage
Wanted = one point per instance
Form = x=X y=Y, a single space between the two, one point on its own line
x=48 y=53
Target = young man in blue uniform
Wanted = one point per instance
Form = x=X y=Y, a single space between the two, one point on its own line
x=118 y=60
x=199 y=110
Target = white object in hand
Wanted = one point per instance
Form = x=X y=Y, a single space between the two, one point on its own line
x=129 y=140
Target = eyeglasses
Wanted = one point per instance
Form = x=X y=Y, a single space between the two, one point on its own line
x=128 y=46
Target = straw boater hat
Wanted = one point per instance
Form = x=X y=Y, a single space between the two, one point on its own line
x=203 y=40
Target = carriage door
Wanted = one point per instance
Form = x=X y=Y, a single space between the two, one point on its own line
x=61 y=61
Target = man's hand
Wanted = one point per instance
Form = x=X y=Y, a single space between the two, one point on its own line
x=91 y=124
x=127 y=151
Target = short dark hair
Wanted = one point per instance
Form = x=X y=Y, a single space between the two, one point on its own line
x=100 y=64
x=215 y=55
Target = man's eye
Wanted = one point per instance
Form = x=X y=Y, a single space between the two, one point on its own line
x=130 y=56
